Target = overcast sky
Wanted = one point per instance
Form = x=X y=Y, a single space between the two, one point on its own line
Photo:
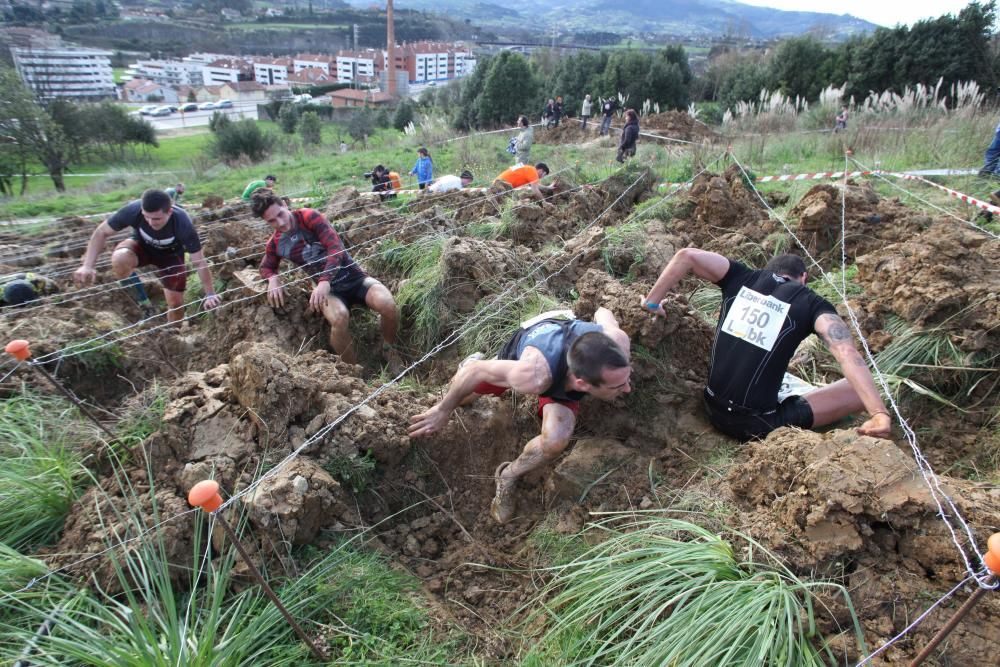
x=882 y=12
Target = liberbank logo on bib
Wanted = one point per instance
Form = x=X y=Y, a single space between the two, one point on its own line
x=755 y=318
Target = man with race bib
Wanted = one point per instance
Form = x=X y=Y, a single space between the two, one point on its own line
x=764 y=316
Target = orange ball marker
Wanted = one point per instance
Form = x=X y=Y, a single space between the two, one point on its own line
x=205 y=494
x=18 y=349
x=992 y=557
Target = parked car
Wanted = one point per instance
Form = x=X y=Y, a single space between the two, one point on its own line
x=190 y=106
x=172 y=108
x=161 y=111
x=147 y=110
x=224 y=104
x=206 y=105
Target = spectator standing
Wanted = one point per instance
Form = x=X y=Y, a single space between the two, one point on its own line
x=585 y=112
x=557 y=110
x=991 y=162
x=630 y=134
x=549 y=112
x=608 y=111
x=841 y=120
x=424 y=168
x=525 y=138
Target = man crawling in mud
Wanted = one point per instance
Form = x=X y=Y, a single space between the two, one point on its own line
x=559 y=360
x=764 y=316
x=306 y=238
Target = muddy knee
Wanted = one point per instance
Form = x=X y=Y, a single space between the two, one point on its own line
x=123 y=262
x=551 y=447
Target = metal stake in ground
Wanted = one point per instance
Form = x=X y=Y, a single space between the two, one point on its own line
x=20 y=351
x=205 y=494
x=992 y=562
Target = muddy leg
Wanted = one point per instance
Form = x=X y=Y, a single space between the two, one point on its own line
x=336 y=313
x=558 y=422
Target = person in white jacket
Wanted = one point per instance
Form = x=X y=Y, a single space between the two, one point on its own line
x=585 y=112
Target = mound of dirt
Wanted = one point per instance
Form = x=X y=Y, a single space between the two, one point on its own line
x=720 y=213
x=856 y=507
x=871 y=221
x=669 y=124
x=946 y=276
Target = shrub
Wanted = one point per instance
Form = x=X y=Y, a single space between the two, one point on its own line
x=311 y=128
x=288 y=118
x=243 y=138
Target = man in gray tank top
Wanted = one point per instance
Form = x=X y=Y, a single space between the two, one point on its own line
x=558 y=360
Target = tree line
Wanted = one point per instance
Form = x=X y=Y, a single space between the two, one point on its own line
x=954 y=48
x=60 y=134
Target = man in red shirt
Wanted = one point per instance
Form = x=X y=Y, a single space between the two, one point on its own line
x=308 y=240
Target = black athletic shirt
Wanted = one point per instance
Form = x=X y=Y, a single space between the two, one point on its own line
x=173 y=238
x=552 y=338
x=774 y=313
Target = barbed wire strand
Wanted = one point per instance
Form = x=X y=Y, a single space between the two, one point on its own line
x=930 y=478
x=448 y=341
x=120 y=284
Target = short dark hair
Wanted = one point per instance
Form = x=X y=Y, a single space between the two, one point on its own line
x=786 y=265
x=591 y=353
x=466 y=174
x=542 y=165
x=263 y=199
x=271 y=177
x=156 y=200
x=522 y=121
x=17 y=292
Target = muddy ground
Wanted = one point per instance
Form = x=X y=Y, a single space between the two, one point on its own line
x=250 y=384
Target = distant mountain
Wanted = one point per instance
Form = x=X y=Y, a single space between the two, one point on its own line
x=674 y=17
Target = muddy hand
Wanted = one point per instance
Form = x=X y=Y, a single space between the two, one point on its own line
x=318 y=296
x=427 y=423
x=84 y=276
x=654 y=308
x=878 y=426
x=275 y=296
x=212 y=301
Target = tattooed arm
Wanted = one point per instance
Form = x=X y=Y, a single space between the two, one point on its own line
x=838 y=338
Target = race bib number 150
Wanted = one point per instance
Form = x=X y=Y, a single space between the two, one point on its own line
x=755 y=318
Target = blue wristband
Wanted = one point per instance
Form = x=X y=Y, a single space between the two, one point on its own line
x=652 y=305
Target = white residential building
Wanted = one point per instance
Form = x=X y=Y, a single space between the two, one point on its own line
x=226 y=70
x=307 y=60
x=359 y=65
x=272 y=71
x=169 y=72
x=78 y=73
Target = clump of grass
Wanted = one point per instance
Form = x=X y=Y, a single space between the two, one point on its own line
x=350 y=601
x=420 y=295
x=143 y=417
x=626 y=242
x=96 y=356
x=43 y=471
x=660 y=591
x=356 y=472
x=489 y=333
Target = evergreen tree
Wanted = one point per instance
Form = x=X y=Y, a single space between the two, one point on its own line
x=311 y=128
x=509 y=90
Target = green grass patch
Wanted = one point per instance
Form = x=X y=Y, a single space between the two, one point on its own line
x=43 y=472
x=659 y=591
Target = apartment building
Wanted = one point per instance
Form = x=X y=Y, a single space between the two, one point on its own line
x=227 y=70
x=168 y=72
x=76 y=73
x=308 y=60
x=360 y=66
x=272 y=71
